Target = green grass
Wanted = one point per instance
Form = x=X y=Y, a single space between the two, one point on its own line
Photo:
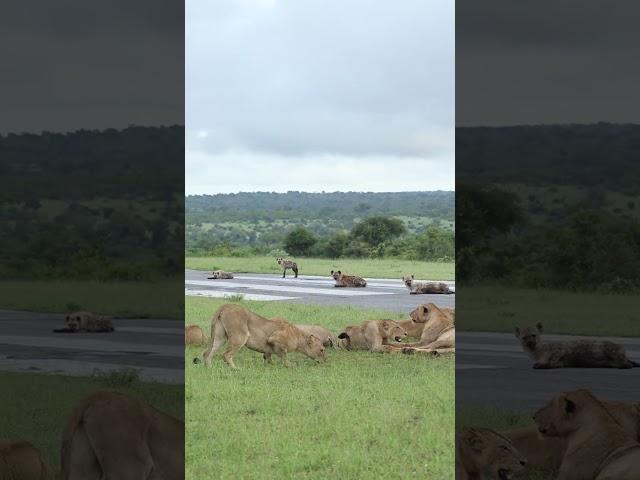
x=360 y=415
x=161 y=299
x=374 y=268
x=498 y=420
x=35 y=407
x=501 y=309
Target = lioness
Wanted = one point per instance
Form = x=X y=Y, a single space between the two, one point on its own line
x=546 y=453
x=572 y=354
x=598 y=447
x=193 y=335
x=414 y=328
x=220 y=275
x=21 y=461
x=438 y=334
x=484 y=453
x=244 y=328
x=373 y=335
x=111 y=435
x=86 y=322
x=433 y=288
x=327 y=338
x=343 y=280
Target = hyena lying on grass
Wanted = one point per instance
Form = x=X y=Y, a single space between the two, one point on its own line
x=220 y=274
x=343 y=280
x=425 y=287
x=286 y=265
x=572 y=354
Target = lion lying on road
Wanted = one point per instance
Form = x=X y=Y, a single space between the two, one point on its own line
x=240 y=327
x=111 y=435
x=484 y=453
x=568 y=354
x=598 y=447
x=193 y=335
x=373 y=335
x=21 y=461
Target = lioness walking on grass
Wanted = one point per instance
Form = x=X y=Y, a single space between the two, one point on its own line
x=239 y=327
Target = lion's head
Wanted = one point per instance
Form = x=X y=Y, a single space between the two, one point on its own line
x=391 y=329
x=490 y=453
x=313 y=348
x=560 y=416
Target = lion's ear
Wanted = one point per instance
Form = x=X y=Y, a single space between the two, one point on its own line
x=310 y=339
x=473 y=439
x=385 y=323
x=569 y=406
x=425 y=309
x=539 y=327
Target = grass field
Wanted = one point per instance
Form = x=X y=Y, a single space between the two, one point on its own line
x=499 y=420
x=501 y=309
x=384 y=268
x=35 y=407
x=360 y=415
x=127 y=299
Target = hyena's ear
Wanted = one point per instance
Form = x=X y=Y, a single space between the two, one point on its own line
x=343 y=335
x=539 y=327
x=331 y=272
x=517 y=332
x=412 y=277
x=339 y=272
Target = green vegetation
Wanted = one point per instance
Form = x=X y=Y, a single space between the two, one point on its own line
x=160 y=299
x=409 y=225
x=374 y=268
x=499 y=420
x=360 y=415
x=35 y=407
x=501 y=309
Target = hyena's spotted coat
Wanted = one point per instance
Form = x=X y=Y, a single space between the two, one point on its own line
x=432 y=288
x=220 y=274
x=343 y=280
x=286 y=265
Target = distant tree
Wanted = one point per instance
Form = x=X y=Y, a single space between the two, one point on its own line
x=375 y=230
x=299 y=241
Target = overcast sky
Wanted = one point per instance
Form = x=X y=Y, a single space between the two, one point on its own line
x=313 y=95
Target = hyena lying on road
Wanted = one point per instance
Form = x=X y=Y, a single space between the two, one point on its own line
x=348 y=280
x=287 y=264
x=572 y=354
x=425 y=287
x=220 y=274
x=85 y=322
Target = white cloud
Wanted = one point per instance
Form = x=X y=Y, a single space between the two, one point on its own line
x=364 y=90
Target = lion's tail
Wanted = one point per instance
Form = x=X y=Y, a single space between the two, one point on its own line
x=214 y=320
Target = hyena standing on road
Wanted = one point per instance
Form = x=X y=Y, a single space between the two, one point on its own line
x=287 y=264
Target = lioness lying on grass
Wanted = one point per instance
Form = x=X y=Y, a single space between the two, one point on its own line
x=482 y=453
x=111 y=435
x=193 y=335
x=373 y=335
x=21 y=461
x=546 y=453
x=239 y=327
x=598 y=447
x=438 y=334
x=576 y=353
x=325 y=335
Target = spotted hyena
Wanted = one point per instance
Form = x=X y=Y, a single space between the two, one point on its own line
x=220 y=274
x=287 y=264
x=343 y=280
x=86 y=322
x=571 y=354
x=425 y=287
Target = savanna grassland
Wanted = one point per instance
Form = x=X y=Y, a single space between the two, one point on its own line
x=35 y=407
x=360 y=415
x=369 y=267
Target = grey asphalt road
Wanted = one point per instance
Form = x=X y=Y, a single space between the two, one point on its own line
x=152 y=346
x=387 y=294
x=492 y=371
